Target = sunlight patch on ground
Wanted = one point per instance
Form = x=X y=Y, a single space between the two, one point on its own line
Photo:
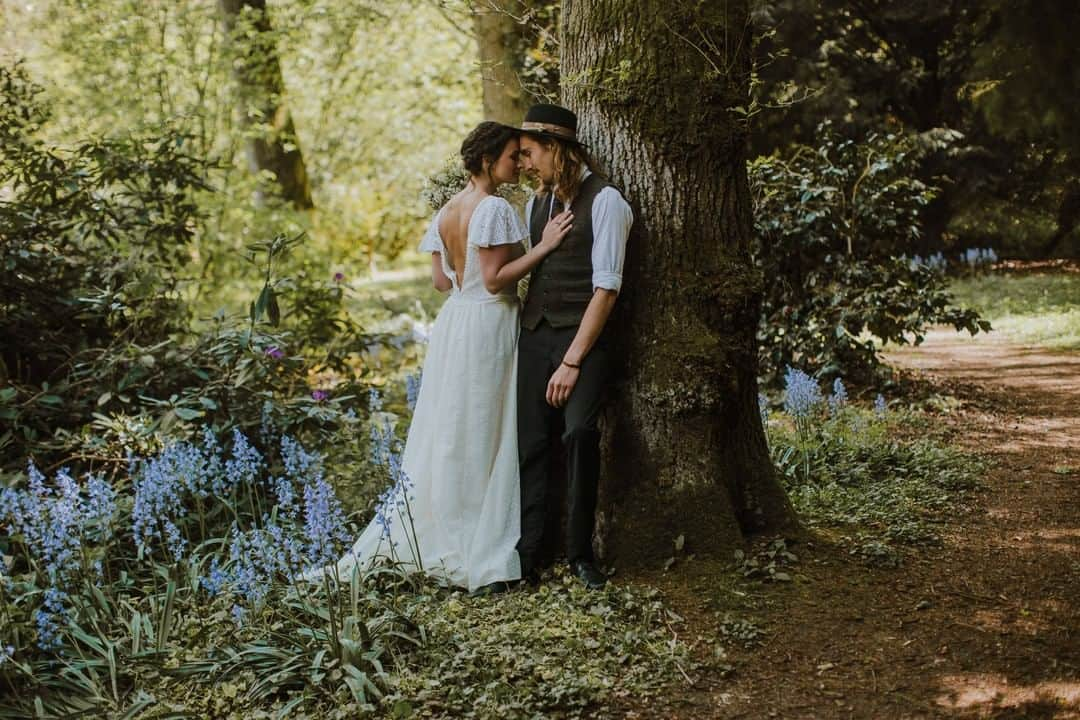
x=986 y=691
x=1066 y=540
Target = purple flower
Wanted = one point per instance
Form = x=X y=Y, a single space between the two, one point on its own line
x=338 y=277
x=275 y=352
x=319 y=395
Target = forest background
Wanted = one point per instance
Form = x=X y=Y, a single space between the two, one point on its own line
x=209 y=213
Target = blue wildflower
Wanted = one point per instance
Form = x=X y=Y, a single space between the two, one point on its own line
x=286 y=496
x=101 y=502
x=6 y=653
x=838 y=398
x=374 y=400
x=412 y=390
x=238 y=615
x=50 y=618
x=216 y=580
x=880 y=407
x=801 y=393
x=324 y=521
x=299 y=463
x=243 y=467
x=763 y=408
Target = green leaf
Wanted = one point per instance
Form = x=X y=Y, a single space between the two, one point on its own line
x=188 y=413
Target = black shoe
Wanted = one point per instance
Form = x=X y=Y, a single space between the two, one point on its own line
x=587 y=573
x=496 y=588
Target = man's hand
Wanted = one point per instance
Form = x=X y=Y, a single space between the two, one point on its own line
x=561 y=385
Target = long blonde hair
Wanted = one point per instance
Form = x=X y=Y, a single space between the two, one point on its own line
x=567 y=161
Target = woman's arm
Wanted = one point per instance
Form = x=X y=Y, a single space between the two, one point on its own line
x=438 y=277
x=498 y=266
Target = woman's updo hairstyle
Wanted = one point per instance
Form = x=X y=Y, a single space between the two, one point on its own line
x=487 y=140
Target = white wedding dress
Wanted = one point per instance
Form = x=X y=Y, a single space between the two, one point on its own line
x=461 y=454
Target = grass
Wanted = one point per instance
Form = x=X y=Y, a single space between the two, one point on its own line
x=1038 y=309
x=883 y=483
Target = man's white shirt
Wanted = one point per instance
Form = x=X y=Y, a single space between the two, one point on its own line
x=611 y=221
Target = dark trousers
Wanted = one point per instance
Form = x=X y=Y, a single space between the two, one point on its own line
x=539 y=353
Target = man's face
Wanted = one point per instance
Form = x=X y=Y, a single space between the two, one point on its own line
x=536 y=160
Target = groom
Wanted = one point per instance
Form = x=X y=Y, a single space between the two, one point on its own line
x=564 y=358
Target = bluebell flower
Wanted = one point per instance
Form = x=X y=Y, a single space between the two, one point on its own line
x=6 y=653
x=880 y=407
x=216 y=581
x=374 y=401
x=324 y=521
x=801 y=393
x=412 y=390
x=763 y=408
x=101 y=500
x=382 y=440
x=286 y=496
x=839 y=397
x=157 y=499
x=299 y=463
x=173 y=539
x=50 y=618
x=237 y=613
x=244 y=466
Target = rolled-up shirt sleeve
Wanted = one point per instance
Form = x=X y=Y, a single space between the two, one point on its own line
x=611 y=221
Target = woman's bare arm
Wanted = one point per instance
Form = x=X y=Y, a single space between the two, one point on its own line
x=438 y=277
x=499 y=267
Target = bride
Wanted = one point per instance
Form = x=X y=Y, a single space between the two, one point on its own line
x=462 y=518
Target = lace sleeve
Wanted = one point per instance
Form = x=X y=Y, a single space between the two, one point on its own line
x=431 y=241
x=498 y=224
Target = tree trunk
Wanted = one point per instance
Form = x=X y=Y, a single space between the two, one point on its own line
x=271 y=142
x=502 y=46
x=654 y=85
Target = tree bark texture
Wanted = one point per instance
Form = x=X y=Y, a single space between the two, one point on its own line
x=654 y=83
x=502 y=46
x=271 y=143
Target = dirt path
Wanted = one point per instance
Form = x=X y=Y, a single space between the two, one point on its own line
x=988 y=625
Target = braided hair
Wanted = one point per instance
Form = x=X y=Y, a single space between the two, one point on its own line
x=486 y=141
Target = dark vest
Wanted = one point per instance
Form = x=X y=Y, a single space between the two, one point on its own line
x=560 y=287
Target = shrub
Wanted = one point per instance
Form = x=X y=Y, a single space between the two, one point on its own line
x=832 y=226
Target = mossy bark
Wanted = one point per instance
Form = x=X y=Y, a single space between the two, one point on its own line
x=655 y=84
x=271 y=143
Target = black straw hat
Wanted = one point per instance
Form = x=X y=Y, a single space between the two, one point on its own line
x=552 y=121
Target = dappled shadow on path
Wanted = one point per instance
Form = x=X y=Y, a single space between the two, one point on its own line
x=986 y=625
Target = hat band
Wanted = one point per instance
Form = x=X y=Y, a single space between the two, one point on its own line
x=551 y=128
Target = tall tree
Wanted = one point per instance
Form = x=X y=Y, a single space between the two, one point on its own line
x=271 y=137
x=518 y=58
x=655 y=83
x=501 y=44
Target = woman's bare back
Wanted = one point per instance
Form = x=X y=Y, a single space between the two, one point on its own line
x=454 y=228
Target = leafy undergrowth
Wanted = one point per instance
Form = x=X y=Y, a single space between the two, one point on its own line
x=882 y=481
x=553 y=651
x=557 y=651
